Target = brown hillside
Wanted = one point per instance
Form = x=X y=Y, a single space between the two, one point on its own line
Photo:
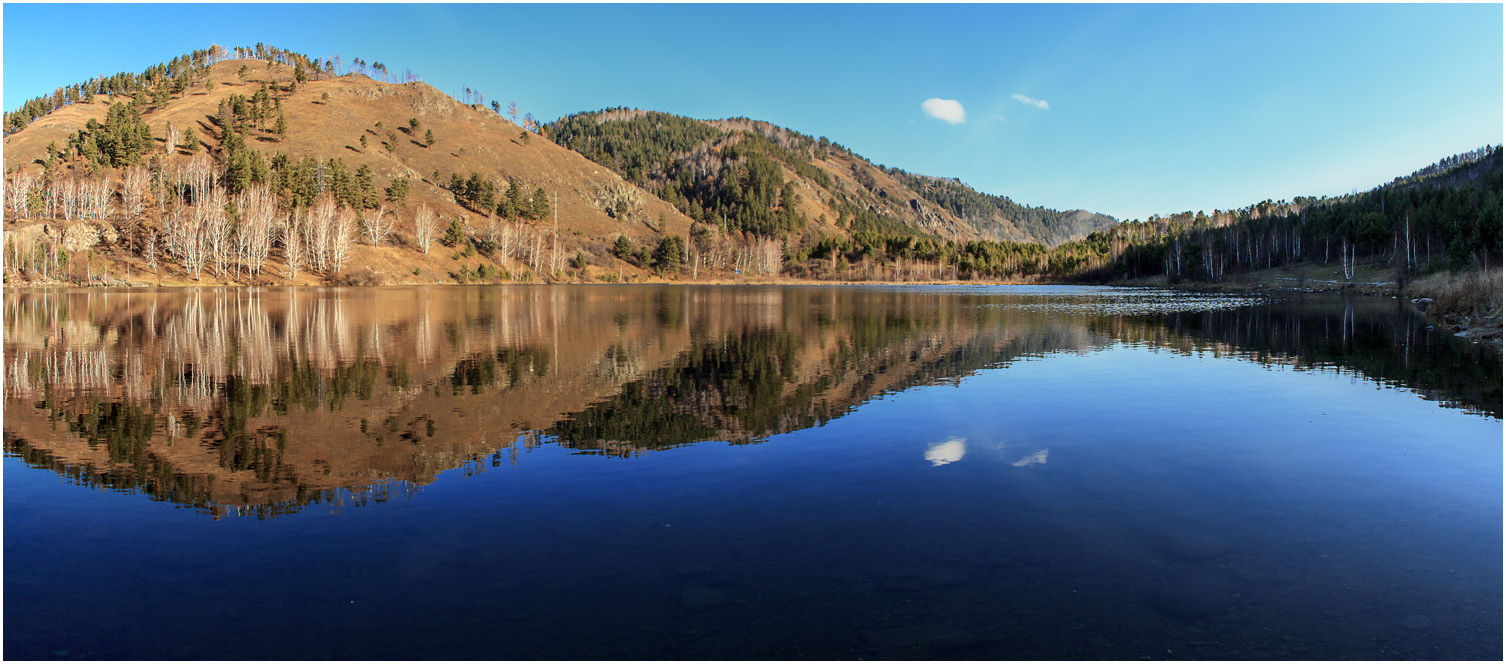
x=326 y=118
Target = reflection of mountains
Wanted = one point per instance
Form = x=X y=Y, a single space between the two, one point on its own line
x=264 y=402
x=1380 y=340
x=268 y=401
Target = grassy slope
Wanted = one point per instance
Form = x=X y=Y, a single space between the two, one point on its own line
x=468 y=138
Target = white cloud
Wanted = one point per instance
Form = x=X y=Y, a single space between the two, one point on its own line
x=1032 y=101
x=949 y=110
x=943 y=453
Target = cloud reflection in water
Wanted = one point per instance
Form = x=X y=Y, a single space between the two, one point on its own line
x=943 y=453
x=1038 y=457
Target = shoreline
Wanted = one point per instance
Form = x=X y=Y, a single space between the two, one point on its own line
x=1468 y=325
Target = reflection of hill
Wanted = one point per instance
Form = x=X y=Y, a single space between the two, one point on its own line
x=287 y=398
x=265 y=402
x=749 y=386
x=1374 y=338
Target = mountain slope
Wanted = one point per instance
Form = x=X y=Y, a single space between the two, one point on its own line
x=325 y=120
x=762 y=178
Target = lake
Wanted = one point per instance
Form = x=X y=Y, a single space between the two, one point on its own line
x=661 y=472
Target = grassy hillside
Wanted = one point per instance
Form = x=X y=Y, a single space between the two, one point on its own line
x=324 y=124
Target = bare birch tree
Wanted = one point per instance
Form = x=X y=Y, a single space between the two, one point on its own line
x=18 y=190
x=506 y=235
x=199 y=176
x=769 y=256
x=174 y=136
x=215 y=228
x=193 y=248
x=424 y=225
x=293 y=243
x=258 y=206
x=321 y=228
x=375 y=224
x=134 y=195
x=344 y=236
x=98 y=196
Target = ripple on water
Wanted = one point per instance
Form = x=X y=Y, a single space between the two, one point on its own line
x=1136 y=302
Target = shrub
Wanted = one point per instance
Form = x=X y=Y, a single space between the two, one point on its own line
x=361 y=276
x=1467 y=293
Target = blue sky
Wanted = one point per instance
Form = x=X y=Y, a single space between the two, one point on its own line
x=1130 y=110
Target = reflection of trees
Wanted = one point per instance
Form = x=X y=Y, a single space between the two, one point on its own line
x=750 y=384
x=267 y=401
x=157 y=388
x=1373 y=339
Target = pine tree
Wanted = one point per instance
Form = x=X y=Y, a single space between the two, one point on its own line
x=540 y=204
x=398 y=190
x=667 y=259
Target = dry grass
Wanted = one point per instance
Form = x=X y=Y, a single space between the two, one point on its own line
x=359 y=276
x=1470 y=293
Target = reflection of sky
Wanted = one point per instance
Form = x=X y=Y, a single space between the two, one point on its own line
x=945 y=452
x=1038 y=457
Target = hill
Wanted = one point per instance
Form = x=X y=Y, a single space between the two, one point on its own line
x=261 y=165
x=71 y=188
x=755 y=176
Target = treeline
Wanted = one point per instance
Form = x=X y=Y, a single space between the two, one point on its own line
x=1450 y=219
x=735 y=174
x=985 y=210
x=1445 y=165
x=161 y=82
x=732 y=177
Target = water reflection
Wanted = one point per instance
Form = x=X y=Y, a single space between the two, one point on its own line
x=267 y=401
x=949 y=451
x=1031 y=460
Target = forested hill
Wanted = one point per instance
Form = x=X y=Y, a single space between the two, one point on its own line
x=753 y=176
x=987 y=211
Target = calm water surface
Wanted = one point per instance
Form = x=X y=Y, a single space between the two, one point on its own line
x=750 y=473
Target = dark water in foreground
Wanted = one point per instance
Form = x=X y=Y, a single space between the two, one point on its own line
x=748 y=473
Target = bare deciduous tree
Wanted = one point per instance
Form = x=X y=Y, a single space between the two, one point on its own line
x=192 y=249
x=424 y=225
x=215 y=227
x=768 y=256
x=293 y=243
x=18 y=190
x=258 y=207
x=200 y=176
x=96 y=195
x=376 y=225
x=134 y=194
x=174 y=136
x=321 y=228
x=506 y=234
x=344 y=236
x=149 y=251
